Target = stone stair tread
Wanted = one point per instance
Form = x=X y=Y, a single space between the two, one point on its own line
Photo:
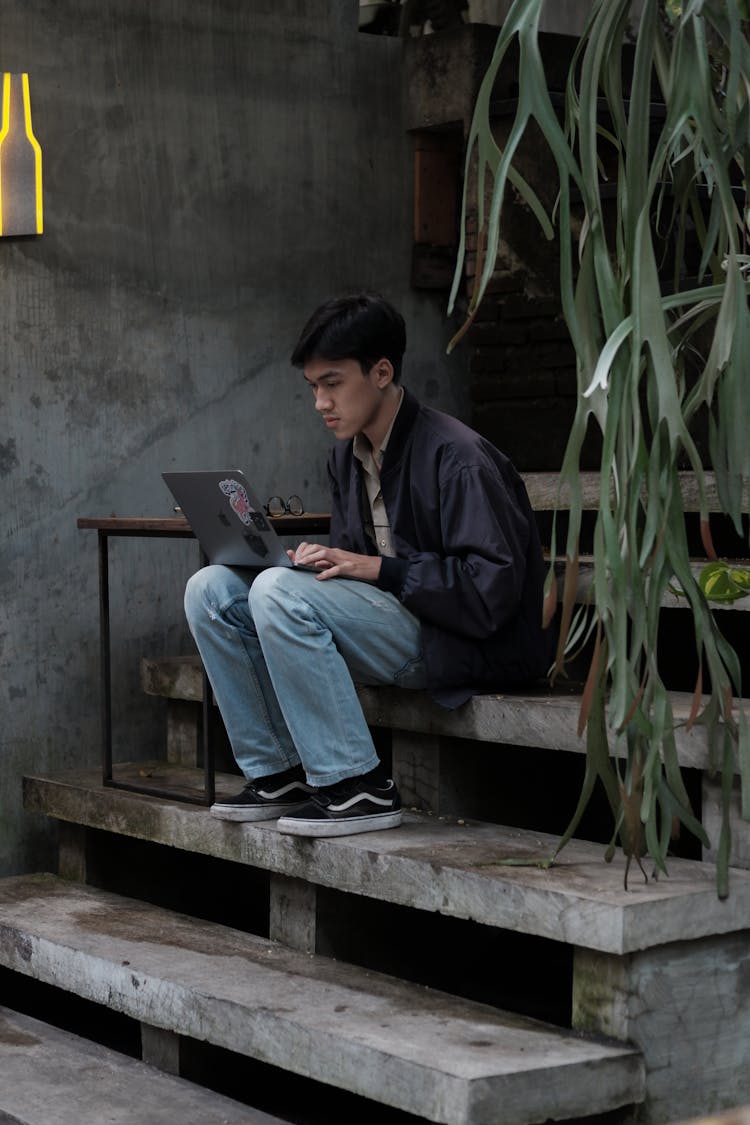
x=540 y=718
x=439 y=1056
x=51 y=1077
x=429 y=863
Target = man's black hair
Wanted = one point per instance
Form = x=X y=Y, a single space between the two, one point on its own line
x=360 y=326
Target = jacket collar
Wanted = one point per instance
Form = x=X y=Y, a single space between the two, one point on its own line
x=402 y=428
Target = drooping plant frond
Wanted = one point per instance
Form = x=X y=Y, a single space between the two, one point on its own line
x=656 y=344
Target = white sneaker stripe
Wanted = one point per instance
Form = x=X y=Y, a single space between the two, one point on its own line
x=274 y=794
x=361 y=797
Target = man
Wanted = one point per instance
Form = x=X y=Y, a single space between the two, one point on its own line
x=435 y=526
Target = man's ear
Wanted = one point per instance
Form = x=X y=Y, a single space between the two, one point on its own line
x=384 y=372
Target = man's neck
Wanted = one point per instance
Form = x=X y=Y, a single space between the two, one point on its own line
x=375 y=433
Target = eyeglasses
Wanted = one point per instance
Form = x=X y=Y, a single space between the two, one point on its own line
x=277 y=506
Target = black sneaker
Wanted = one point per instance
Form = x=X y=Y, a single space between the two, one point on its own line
x=353 y=805
x=266 y=797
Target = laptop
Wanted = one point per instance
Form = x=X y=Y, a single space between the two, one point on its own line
x=228 y=520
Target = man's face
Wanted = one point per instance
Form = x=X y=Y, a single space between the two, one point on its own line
x=349 y=401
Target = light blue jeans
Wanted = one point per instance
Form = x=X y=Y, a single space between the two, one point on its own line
x=283 y=651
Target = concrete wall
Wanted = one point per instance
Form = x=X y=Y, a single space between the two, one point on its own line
x=213 y=169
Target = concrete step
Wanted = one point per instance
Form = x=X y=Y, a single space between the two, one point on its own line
x=426 y=739
x=543 y=718
x=484 y=872
x=51 y=1077
x=434 y=1055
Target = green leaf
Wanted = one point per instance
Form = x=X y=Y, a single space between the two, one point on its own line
x=724 y=584
x=653 y=352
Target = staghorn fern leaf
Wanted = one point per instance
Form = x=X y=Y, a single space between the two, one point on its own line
x=644 y=369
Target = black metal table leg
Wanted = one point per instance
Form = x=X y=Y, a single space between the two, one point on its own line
x=105 y=656
x=108 y=779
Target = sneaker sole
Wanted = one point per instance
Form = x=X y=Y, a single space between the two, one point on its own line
x=344 y=826
x=253 y=812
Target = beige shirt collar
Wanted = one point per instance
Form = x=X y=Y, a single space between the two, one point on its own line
x=361 y=447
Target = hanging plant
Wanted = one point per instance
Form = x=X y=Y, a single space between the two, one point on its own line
x=651 y=353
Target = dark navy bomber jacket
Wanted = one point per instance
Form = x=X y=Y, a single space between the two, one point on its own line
x=468 y=560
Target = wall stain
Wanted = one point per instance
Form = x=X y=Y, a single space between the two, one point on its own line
x=8 y=457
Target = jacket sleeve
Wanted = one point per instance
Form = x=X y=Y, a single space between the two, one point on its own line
x=473 y=585
x=336 y=535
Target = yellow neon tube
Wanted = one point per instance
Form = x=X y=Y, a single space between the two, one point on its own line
x=5 y=129
x=37 y=151
x=4 y=133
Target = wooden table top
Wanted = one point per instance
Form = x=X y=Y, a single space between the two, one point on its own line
x=178 y=527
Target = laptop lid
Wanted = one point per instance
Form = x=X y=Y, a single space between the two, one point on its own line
x=228 y=519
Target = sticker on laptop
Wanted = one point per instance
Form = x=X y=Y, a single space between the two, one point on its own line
x=238 y=500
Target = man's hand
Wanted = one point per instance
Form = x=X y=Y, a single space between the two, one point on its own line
x=335 y=563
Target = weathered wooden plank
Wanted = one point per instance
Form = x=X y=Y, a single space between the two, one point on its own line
x=543 y=492
x=49 y=1075
x=541 y=719
x=544 y=718
x=485 y=872
x=447 y=1059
